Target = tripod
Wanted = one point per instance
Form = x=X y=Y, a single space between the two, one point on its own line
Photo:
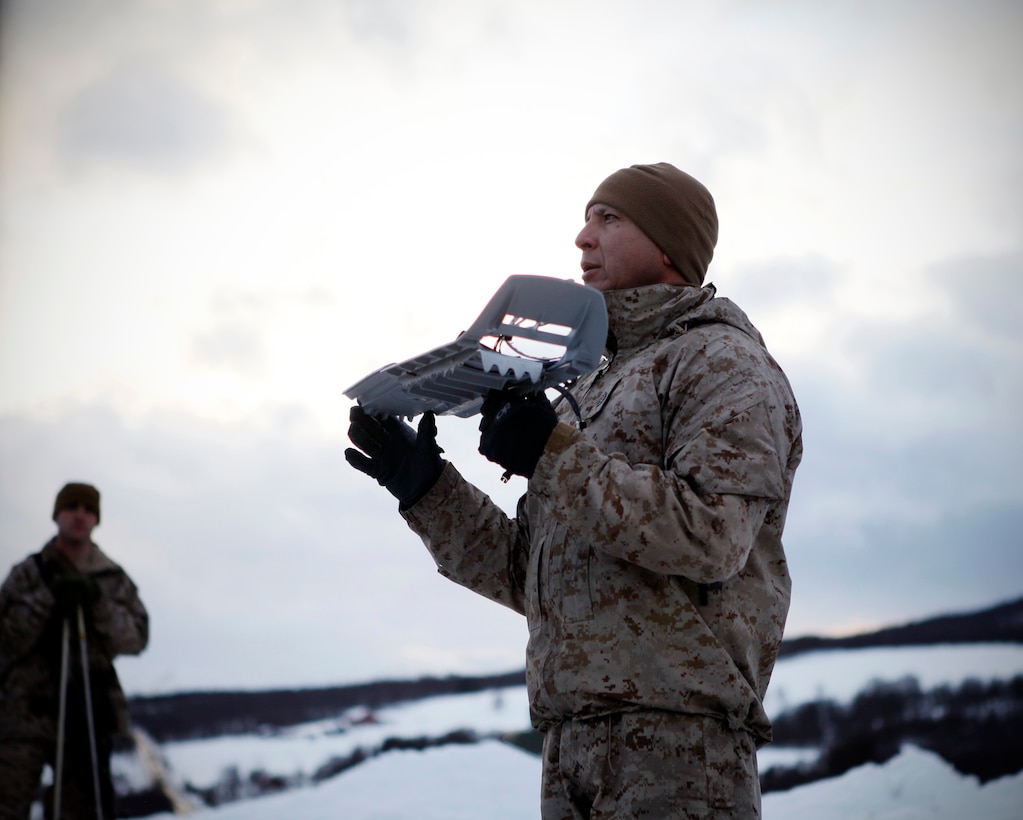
x=65 y=658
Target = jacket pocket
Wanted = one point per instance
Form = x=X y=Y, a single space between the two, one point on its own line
x=732 y=777
x=570 y=573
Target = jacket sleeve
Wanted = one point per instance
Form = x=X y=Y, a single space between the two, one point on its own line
x=26 y=605
x=118 y=616
x=693 y=508
x=472 y=540
x=644 y=514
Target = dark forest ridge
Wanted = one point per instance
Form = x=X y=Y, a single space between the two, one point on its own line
x=208 y=714
x=999 y=624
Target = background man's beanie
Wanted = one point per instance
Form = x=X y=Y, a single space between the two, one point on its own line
x=71 y=495
x=670 y=207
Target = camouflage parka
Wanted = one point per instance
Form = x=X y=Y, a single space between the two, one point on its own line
x=31 y=635
x=646 y=553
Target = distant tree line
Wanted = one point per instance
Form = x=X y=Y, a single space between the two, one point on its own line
x=999 y=624
x=975 y=727
x=197 y=715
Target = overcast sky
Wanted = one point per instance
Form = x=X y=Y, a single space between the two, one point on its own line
x=216 y=215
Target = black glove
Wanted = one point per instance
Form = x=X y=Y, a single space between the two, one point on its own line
x=405 y=461
x=73 y=590
x=515 y=429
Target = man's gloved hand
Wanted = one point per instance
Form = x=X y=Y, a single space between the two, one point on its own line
x=515 y=429
x=405 y=461
x=73 y=590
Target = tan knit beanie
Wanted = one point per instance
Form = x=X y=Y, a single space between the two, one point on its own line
x=71 y=495
x=670 y=207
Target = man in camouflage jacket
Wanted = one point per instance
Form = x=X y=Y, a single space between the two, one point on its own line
x=40 y=593
x=646 y=553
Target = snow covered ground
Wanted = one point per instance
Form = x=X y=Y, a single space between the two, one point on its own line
x=916 y=784
x=495 y=780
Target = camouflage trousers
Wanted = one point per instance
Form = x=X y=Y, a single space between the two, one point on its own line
x=649 y=764
x=21 y=768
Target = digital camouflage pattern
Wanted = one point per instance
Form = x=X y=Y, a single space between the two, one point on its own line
x=646 y=553
x=649 y=764
x=30 y=639
x=31 y=635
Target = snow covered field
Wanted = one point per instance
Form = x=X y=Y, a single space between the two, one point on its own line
x=495 y=780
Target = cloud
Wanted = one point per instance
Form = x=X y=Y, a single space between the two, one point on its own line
x=961 y=367
x=906 y=491
x=264 y=559
x=142 y=115
x=341 y=185
x=985 y=292
x=238 y=348
x=911 y=488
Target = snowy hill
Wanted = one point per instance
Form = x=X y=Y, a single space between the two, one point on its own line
x=915 y=784
x=902 y=724
x=191 y=715
x=495 y=782
x=356 y=760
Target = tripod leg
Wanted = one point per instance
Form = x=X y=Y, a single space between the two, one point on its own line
x=58 y=769
x=88 y=713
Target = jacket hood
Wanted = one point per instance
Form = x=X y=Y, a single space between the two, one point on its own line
x=639 y=316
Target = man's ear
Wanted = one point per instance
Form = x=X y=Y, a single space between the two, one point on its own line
x=672 y=274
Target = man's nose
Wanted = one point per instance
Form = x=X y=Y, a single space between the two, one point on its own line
x=585 y=239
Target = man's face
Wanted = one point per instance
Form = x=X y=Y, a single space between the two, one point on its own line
x=618 y=255
x=75 y=524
